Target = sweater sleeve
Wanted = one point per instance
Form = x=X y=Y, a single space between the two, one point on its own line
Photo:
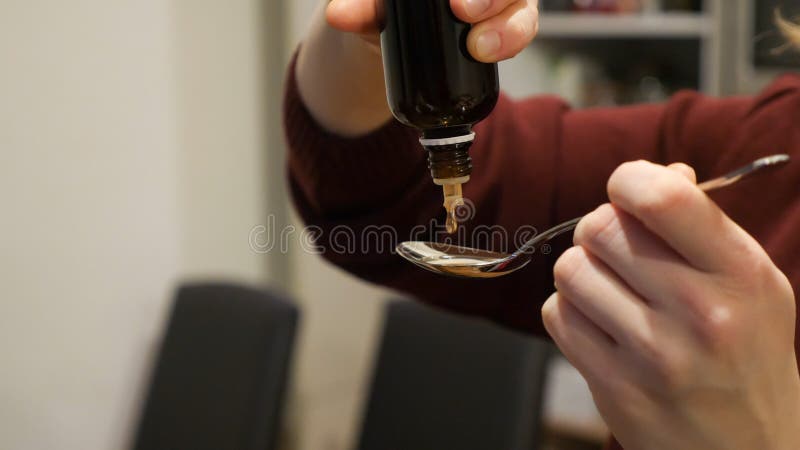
x=536 y=163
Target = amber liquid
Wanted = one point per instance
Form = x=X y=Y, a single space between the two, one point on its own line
x=431 y=80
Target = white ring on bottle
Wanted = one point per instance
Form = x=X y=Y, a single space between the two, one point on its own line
x=448 y=141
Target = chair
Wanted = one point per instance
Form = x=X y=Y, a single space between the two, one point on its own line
x=447 y=382
x=221 y=373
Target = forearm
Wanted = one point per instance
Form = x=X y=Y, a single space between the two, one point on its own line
x=340 y=78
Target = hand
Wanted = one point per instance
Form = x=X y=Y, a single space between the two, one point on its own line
x=677 y=318
x=502 y=28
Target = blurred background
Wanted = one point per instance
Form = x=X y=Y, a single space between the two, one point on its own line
x=141 y=146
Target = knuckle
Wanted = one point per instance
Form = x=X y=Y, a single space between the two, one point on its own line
x=547 y=313
x=600 y=228
x=765 y=267
x=666 y=368
x=550 y=316
x=688 y=295
x=665 y=193
x=626 y=170
x=568 y=266
x=522 y=25
x=685 y=170
x=761 y=265
x=720 y=328
x=750 y=268
x=712 y=321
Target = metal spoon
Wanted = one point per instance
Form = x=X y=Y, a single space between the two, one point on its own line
x=467 y=262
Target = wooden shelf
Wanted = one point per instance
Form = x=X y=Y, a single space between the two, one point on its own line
x=641 y=26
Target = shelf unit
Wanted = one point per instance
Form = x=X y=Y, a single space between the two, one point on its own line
x=639 y=26
x=693 y=38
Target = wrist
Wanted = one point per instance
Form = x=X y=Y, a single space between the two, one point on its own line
x=340 y=80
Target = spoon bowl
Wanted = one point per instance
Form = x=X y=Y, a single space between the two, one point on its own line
x=457 y=261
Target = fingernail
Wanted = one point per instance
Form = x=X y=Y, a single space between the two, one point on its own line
x=475 y=8
x=487 y=44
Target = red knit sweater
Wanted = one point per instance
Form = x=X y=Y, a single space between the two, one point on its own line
x=536 y=163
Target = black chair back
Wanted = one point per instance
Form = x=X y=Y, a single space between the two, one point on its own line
x=221 y=373
x=448 y=382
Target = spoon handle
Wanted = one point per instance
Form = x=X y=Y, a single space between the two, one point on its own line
x=707 y=186
x=736 y=175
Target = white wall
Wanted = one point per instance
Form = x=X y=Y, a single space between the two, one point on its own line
x=220 y=124
x=129 y=157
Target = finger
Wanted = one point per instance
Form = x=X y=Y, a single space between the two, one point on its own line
x=585 y=346
x=354 y=16
x=685 y=170
x=683 y=216
x=505 y=34
x=602 y=297
x=474 y=11
x=643 y=261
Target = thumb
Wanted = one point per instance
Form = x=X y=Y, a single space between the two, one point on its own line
x=355 y=16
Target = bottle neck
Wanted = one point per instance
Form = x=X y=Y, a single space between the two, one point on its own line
x=448 y=154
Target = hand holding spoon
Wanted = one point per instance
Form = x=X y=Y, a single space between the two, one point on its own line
x=464 y=262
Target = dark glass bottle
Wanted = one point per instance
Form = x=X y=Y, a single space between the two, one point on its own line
x=434 y=85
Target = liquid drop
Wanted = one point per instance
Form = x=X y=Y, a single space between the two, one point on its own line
x=453 y=198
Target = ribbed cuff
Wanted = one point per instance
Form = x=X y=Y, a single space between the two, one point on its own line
x=339 y=174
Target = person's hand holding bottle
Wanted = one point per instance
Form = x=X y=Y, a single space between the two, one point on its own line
x=502 y=28
x=339 y=70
